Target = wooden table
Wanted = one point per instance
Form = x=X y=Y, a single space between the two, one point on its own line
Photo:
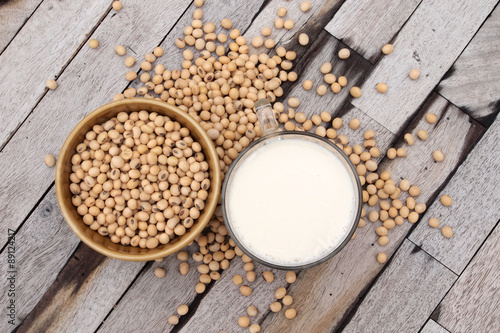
x=429 y=284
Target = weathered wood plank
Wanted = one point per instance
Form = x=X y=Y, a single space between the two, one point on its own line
x=432 y=327
x=47 y=42
x=227 y=304
x=368 y=25
x=325 y=50
x=13 y=15
x=86 y=288
x=153 y=298
x=43 y=245
x=339 y=283
x=474 y=212
x=472 y=304
x=82 y=88
x=240 y=14
x=472 y=82
x=411 y=287
x=431 y=41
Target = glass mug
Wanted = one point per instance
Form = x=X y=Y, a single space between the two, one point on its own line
x=290 y=200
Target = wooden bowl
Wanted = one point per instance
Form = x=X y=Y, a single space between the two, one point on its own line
x=103 y=244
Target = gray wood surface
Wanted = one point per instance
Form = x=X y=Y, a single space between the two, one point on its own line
x=477 y=94
x=366 y=26
x=474 y=212
x=326 y=50
x=43 y=246
x=13 y=15
x=80 y=91
x=432 y=327
x=405 y=295
x=61 y=289
x=472 y=304
x=229 y=309
x=153 y=298
x=46 y=41
x=88 y=284
x=431 y=40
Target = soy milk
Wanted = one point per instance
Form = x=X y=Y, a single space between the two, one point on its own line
x=291 y=202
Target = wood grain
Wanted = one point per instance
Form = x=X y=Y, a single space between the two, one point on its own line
x=43 y=246
x=47 y=42
x=471 y=83
x=87 y=83
x=431 y=41
x=86 y=288
x=432 y=327
x=404 y=295
x=338 y=284
x=13 y=15
x=368 y=25
x=472 y=304
x=153 y=298
x=325 y=50
x=473 y=214
x=241 y=15
x=227 y=304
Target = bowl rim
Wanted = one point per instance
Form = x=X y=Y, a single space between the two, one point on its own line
x=145 y=256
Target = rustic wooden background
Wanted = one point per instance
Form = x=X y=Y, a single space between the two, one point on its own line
x=429 y=284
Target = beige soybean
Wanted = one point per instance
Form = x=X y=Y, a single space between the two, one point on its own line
x=447 y=231
x=433 y=222
x=173 y=320
x=355 y=92
x=438 y=156
x=305 y=6
x=51 y=84
x=414 y=74
x=387 y=49
x=382 y=87
x=290 y=313
x=159 y=272
x=280 y=293
x=120 y=50
x=307 y=85
x=93 y=43
x=344 y=53
x=268 y=276
x=354 y=124
x=290 y=277
x=254 y=328
x=243 y=321
x=182 y=310
x=287 y=300
x=275 y=307
x=431 y=118
x=382 y=257
x=49 y=160
x=252 y=311
x=409 y=139
x=245 y=290
x=423 y=135
x=446 y=200
x=303 y=39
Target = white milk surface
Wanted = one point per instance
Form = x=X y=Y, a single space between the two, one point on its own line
x=291 y=202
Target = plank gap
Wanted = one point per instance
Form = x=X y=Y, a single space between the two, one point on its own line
x=84 y=42
x=21 y=27
x=30 y=213
x=353 y=307
x=146 y=266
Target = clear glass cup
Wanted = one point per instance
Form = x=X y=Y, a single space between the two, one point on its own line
x=270 y=131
